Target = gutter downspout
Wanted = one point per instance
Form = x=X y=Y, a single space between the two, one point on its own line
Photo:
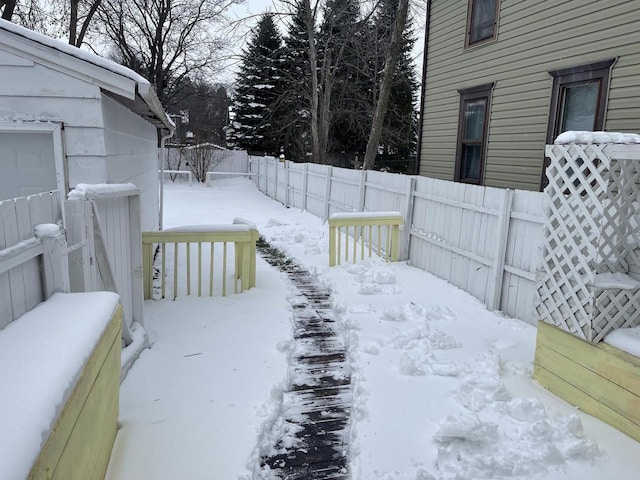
x=163 y=139
x=424 y=85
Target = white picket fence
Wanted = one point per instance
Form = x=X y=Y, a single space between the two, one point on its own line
x=483 y=240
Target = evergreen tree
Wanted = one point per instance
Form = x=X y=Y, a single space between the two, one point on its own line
x=398 y=143
x=342 y=44
x=257 y=91
x=291 y=115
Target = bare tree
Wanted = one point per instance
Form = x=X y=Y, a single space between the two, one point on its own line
x=81 y=14
x=166 y=41
x=68 y=19
x=390 y=62
x=7 y=6
x=326 y=56
x=202 y=158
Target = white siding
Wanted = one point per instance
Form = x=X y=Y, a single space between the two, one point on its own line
x=132 y=156
x=39 y=94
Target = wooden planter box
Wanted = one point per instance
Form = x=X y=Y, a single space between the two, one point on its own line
x=80 y=443
x=600 y=380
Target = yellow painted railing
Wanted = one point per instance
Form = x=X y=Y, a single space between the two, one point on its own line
x=204 y=240
x=379 y=229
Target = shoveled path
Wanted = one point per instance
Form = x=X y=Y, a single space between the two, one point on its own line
x=310 y=436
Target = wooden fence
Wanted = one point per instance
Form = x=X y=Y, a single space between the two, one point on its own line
x=22 y=286
x=481 y=239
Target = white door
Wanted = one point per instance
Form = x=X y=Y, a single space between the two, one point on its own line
x=28 y=163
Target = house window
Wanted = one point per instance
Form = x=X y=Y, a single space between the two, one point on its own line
x=482 y=18
x=473 y=123
x=578 y=101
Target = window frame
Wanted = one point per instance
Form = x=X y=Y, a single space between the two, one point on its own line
x=581 y=74
x=467 y=95
x=467 y=37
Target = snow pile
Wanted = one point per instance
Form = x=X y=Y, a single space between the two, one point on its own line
x=494 y=435
x=582 y=138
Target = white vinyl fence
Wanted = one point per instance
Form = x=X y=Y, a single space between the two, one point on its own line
x=483 y=240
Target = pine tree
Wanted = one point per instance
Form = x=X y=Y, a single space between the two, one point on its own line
x=398 y=143
x=342 y=39
x=292 y=116
x=257 y=91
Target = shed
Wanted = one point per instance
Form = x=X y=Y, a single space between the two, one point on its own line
x=70 y=117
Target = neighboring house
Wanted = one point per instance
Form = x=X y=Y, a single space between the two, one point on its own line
x=69 y=117
x=504 y=77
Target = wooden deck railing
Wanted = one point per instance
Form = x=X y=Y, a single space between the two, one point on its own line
x=242 y=237
x=367 y=229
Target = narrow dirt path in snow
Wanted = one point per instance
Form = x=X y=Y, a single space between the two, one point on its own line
x=308 y=437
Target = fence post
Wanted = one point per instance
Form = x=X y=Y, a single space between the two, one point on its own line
x=135 y=236
x=504 y=219
x=79 y=260
x=408 y=220
x=362 y=190
x=55 y=259
x=286 y=180
x=327 y=193
x=305 y=180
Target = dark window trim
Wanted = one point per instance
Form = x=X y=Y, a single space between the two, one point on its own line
x=467 y=36
x=467 y=94
x=598 y=71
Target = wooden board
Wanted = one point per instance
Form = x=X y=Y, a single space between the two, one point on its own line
x=599 y=379
x=81 y=440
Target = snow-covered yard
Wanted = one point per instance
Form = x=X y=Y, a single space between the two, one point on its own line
x=442 y=386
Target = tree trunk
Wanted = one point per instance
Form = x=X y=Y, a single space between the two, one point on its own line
x=313 y=61
x=9 y=7
x=390 y=62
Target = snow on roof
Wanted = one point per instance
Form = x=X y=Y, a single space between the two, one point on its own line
x=583 y=138
x=142 y=86
x=73 y=51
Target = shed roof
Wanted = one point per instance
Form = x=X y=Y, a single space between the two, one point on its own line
x=128 y=87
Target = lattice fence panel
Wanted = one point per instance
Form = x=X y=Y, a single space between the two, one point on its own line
x=577 y=181
x=591 y=228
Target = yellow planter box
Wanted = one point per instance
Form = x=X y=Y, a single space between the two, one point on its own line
x=600 y=380
x=80 y=443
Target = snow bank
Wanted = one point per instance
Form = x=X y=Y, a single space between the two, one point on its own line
x=41 y=356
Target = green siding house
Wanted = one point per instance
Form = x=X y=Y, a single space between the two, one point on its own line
x=504 y=77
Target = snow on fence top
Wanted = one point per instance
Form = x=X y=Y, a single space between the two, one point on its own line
x=83 y=190
x=357 y=215
x=41 y=356
x=584 y=138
